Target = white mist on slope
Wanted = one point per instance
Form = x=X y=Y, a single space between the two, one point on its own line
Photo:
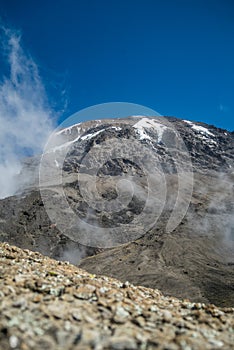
x=25 y=117
x=213 y=215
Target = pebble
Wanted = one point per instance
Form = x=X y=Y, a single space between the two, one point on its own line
x=167 y=316
x=20 y=302
x=121 y=315
x=216 y=342
x=13 y=341
x=120 y=343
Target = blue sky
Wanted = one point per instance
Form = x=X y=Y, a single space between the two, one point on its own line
x=176 y=57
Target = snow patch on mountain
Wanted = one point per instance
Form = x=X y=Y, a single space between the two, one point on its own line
x=147 y=123
x=91 y=135
x=67 y=130
x=199 y=128
x=117 y=128
x=202 y=133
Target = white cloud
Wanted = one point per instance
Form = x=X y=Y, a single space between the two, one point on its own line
x=25 y=116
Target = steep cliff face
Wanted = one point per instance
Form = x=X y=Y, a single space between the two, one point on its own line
x=149 y=200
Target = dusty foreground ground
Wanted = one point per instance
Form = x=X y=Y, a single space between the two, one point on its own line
x=46 y=304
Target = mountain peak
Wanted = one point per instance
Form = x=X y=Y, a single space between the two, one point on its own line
x=144 y=199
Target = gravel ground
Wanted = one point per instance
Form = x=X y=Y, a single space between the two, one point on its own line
x=47 y=304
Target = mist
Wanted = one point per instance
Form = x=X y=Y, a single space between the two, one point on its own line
x=26 y=120
x=212 y=211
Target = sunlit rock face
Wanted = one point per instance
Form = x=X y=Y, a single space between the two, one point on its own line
x=106 y=196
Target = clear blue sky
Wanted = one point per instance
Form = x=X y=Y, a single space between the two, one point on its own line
x=176 y=57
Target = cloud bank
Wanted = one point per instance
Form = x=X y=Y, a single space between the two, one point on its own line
x=25 y=115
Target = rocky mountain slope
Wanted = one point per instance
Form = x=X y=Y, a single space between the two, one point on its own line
x=155 y=167
x=47 y=304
